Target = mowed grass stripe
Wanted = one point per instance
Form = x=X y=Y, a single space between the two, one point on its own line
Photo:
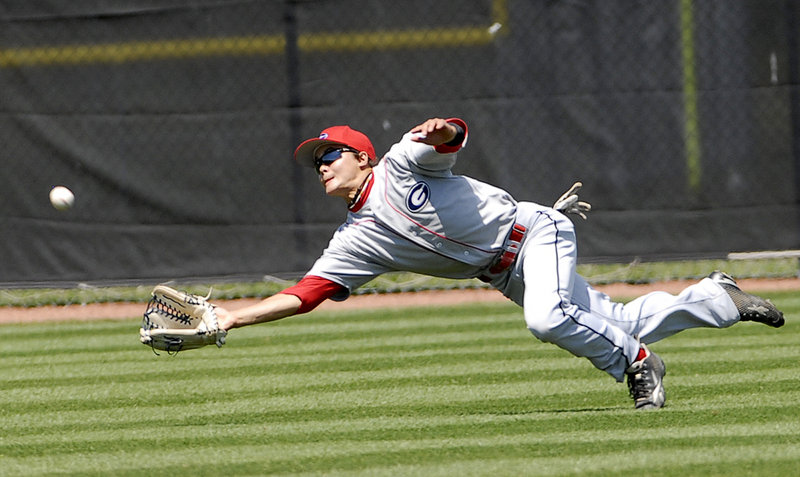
x=79 y=350
x=510 y=397
x=333 y=438
x=523 y=356
x=528 y=354
x=267 y=340
x=383 y=372
x=433 y=377
x=282 y=384
x=126 y=363
x=384 y=422
x=351 y=342
x=340 y=372
x=758 y=460
x=266 y=352
x=394 y=428
x=312 y=341
x=417 y=400
x=361 y=455
x=495 y=366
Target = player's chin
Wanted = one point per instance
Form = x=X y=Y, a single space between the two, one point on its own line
x=331 y=187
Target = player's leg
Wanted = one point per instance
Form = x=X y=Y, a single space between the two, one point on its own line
x=548 y=257
x=655 y=316
x=543 y=281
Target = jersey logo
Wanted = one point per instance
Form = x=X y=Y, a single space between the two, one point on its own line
x=418 y=196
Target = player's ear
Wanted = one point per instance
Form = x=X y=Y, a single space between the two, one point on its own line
x=363 y=159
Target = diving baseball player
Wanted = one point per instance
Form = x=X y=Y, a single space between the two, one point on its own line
x=409 y=212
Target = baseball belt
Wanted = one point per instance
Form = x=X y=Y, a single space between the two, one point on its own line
x=510 y=251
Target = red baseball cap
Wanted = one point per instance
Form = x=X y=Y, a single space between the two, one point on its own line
x=335 y=135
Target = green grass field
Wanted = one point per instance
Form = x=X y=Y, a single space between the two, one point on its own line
x=430 y=392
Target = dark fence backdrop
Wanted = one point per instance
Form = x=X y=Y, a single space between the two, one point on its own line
x=174 y=122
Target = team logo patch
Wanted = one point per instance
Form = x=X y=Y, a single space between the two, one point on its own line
x=418 y=196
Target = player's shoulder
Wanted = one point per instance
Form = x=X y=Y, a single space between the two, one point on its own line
x=412 y=158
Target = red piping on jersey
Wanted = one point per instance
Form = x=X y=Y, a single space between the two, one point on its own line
x=363 y=195
x=391 y=230
x=443 y=237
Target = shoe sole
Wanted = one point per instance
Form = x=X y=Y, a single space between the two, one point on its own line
x=750 y=303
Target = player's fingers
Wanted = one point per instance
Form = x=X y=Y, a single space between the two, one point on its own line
x=575 y=188
x=433 y=125
x=567 y=202
x=434 y=131
x=418 y=134
x=422 y=131
x=439 y=123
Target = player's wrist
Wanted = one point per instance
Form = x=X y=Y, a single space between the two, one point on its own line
x=458 y=137
x=457 y=142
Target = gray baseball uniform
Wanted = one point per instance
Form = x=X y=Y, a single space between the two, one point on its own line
x=416 y=215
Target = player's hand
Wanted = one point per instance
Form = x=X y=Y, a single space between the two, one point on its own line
x=568 y=203
x=434 y=132
x=225 y=320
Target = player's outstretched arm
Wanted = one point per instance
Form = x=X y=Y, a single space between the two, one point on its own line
x=270 y=309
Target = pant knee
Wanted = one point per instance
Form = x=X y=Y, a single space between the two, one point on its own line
x=545 y=323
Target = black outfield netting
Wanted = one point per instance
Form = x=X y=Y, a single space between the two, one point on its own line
x=174 y=123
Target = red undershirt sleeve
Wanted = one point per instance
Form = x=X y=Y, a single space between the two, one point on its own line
x=313 y=290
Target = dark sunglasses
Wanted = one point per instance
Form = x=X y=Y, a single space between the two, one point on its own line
x=330 y=156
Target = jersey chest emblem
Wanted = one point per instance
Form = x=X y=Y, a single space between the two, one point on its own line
x=418 y=196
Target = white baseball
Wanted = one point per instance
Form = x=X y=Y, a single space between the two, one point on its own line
x=61 y=198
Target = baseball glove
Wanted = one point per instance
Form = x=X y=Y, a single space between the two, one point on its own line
x=568 y=203
x=175 y=321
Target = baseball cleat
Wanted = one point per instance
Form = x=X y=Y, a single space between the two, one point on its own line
x=750 y=307
x=645 y=381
